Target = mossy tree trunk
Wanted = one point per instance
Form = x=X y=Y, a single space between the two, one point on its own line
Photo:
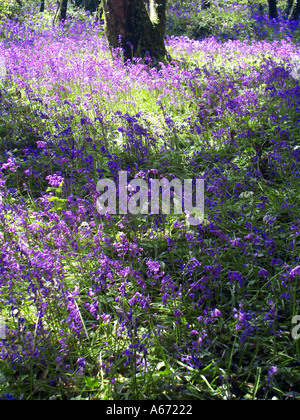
x=273 y=13
x=138 y=31
x=295 y=10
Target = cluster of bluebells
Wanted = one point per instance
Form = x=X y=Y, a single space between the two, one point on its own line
x=69 y=274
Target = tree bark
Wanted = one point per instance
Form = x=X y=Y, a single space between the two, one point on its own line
x=42 y=6
x=63 y=10
x=273 y=13
x=138 y=32
x=295 y=12
x=89 y=5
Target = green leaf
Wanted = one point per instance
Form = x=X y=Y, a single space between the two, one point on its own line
x=91 y=383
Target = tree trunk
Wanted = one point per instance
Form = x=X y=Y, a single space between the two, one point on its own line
x=42 y=7
x=295 y=12
x=273 y=13
x=89 y=5
x=289 y=5
x=63 y=10
x=140 y=33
